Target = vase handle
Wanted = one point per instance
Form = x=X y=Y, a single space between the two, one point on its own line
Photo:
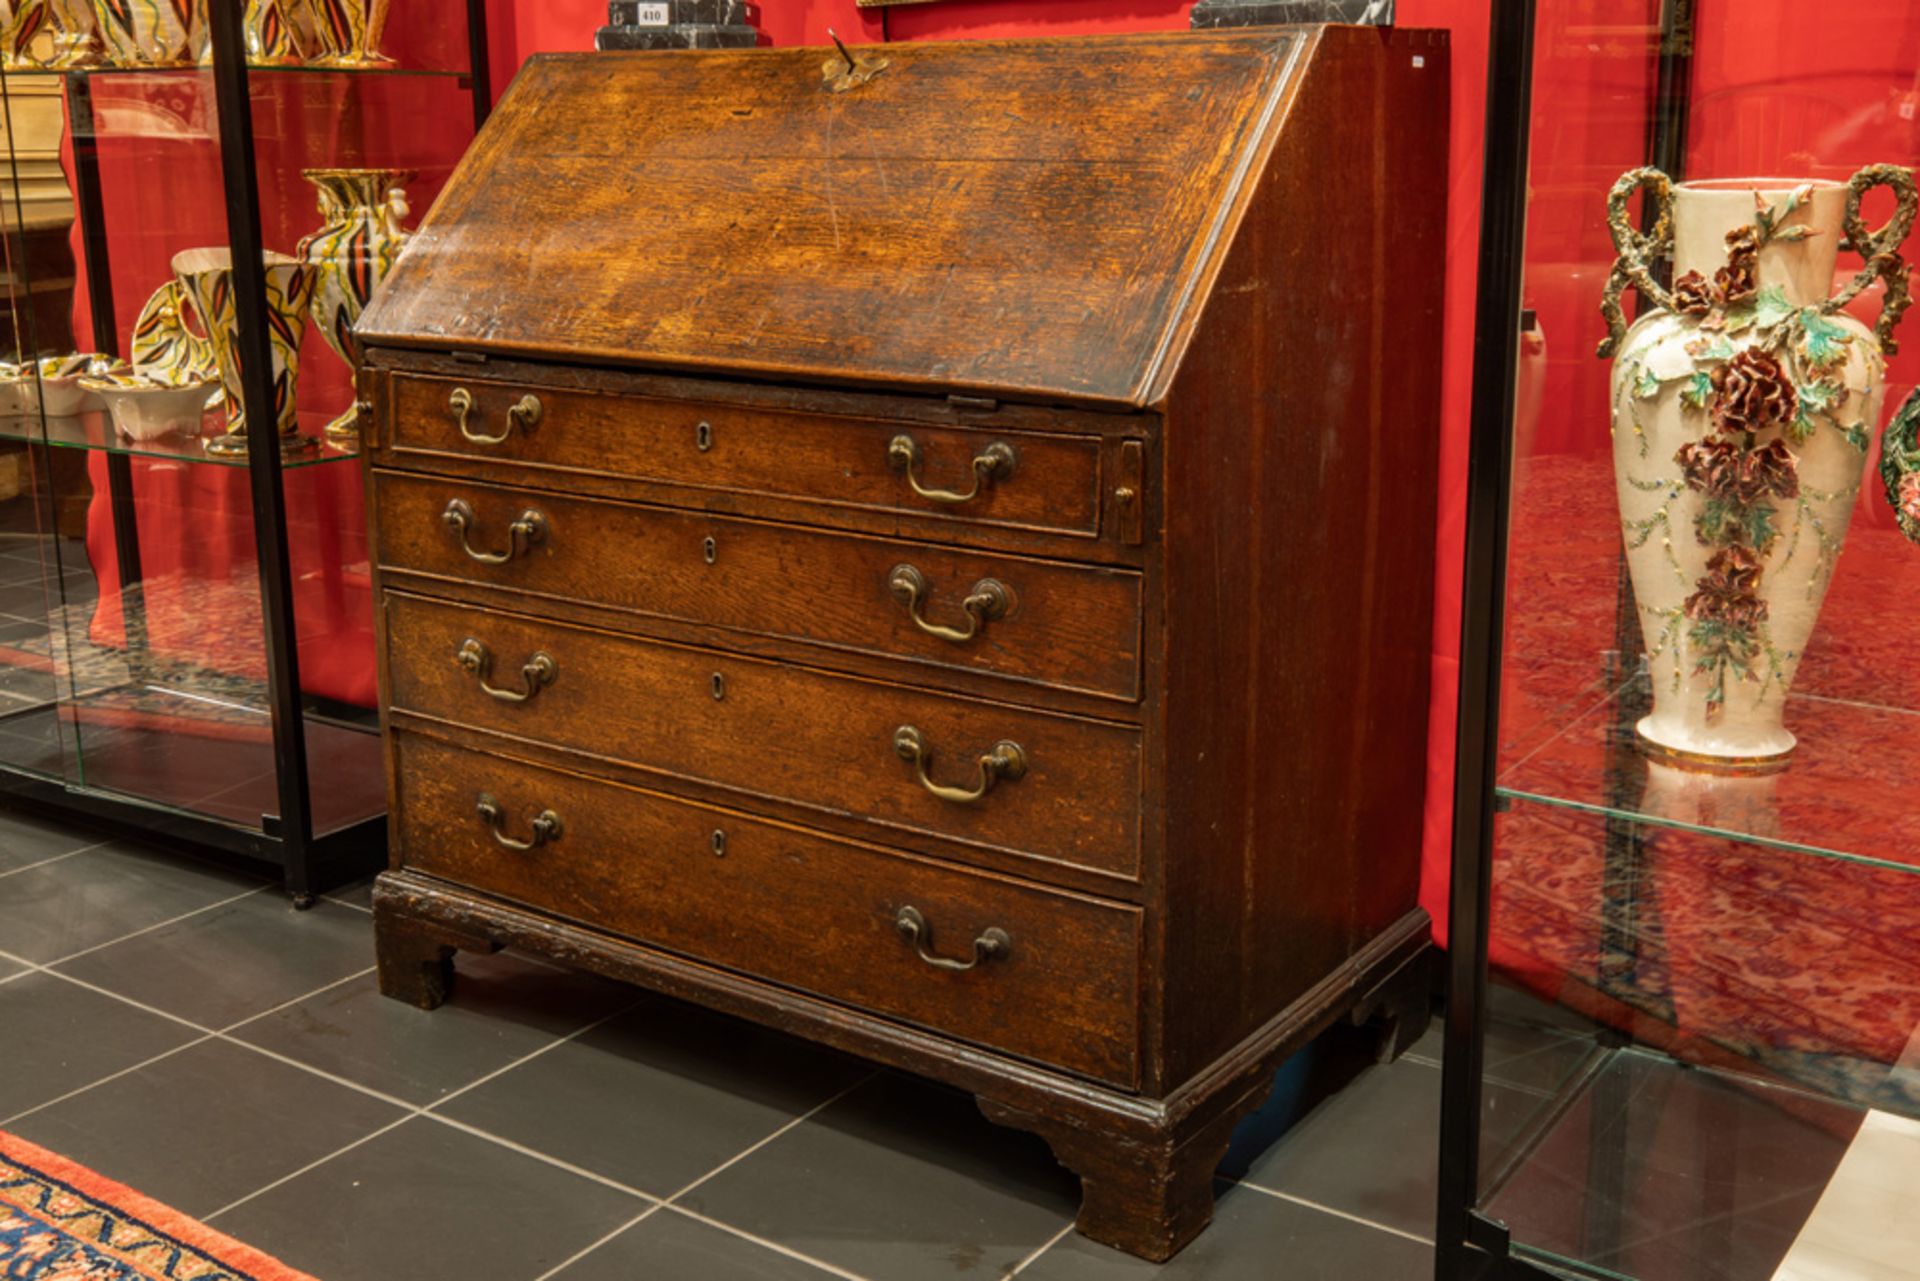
x=1637 y=250
x=1881 y=248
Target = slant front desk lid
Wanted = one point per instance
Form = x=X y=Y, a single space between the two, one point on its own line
x=1034 y=219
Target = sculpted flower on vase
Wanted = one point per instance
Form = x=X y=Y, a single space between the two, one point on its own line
x=1693 y=295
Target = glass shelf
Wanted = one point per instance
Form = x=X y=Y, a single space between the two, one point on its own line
x=1843 y=791
x=93 y=430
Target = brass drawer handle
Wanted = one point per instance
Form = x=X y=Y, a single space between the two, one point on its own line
x=531 y=528
x=996 y=460
x=525 y=415
x=989 y=600
x=546 y=826
x=536 y=674
x=912 y=924
x=1006 y=760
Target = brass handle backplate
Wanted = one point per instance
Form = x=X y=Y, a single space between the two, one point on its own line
x=526 y=415
x=1006 y=760
x=991 y=463
x=988 y=600
x=529 y=529
x=536 y=673
x=546 y=826
x=911 y=922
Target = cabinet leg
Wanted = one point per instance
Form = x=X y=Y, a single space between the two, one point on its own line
x=415 y=957
x=1399 y=1010
x=1148 y=1197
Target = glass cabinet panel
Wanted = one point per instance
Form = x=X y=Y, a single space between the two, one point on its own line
x=1705 y=921
x=134 y=651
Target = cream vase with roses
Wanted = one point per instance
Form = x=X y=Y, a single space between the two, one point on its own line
x=1744 y=403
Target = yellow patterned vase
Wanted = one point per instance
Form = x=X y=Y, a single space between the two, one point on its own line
x=280 y=33
x=21 y=23
x=48 y=33
x=348 y=32
x=207 y=277
x=350 y=254
x=149 y=33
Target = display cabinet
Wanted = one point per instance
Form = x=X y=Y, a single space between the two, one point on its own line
x=1684 y=1039
x=195 y=211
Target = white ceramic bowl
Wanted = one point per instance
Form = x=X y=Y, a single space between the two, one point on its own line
x=144 y=407
x=58 y=390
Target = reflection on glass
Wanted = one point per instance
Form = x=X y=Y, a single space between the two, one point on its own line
x=1706 y=1013
x=132 y=639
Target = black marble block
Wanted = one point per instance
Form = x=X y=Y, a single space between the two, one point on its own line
x=681 y=24
x=1265 y=13
x=681 y=13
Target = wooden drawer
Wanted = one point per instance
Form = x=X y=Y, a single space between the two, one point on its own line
x=778 y=732
x=1046 y=482
x=786 y=905
x=1072 y=626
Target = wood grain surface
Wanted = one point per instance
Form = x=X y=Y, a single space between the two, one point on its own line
x=1053 y=202
x=1076 y=626
x=818 y=458
x=783 y=734
x=788 y=905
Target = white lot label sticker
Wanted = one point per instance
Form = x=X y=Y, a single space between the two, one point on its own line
x=650 y=15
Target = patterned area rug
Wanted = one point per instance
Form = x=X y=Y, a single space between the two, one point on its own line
x=62 y=1222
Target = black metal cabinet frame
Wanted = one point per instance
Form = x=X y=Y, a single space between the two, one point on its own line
x=1470 y=1245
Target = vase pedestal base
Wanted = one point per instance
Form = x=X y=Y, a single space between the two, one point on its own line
x=234 y=445
x=1708 y=762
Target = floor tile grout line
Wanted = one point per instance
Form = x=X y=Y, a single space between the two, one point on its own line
x=1033 y=1258
x=107 y=1079
x=657 y=1203
x=531 y=1055
x=55 y=858
x=574 y=1258
x=393 y=1100
x=1348 y=1215
x=206 y=1034
x=411 y=1111
x=394 y=1124
x=545 y=1158
x=831 y=1269
x=791 y=1124
x=124 y=999
x=158 y=925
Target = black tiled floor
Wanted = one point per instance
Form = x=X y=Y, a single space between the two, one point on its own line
x=1373 y=1151
x=187 y=969
x=503 y=1008
x=27 y=839
x=666 y=1246
x=427 y=1200
x=567 y=1101
x=661 y=1095
x=62 y=1037
x=1254 y=1237
x=960 y=1196
x=103 y=894
x=206 y=1126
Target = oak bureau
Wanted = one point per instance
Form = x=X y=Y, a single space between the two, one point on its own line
x=931 y=549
